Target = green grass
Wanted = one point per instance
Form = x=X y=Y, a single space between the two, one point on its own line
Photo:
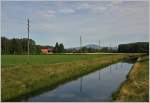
x=20 y=78
x=136 y=87
x=12 y=60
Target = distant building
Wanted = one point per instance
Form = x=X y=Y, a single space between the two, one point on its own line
x=46 y=50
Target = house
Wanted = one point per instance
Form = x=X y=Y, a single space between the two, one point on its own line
x=46 y=50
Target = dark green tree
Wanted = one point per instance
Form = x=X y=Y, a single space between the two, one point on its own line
x=15 y=47
x=5 y=45
x=61 y=48
x=56 y=48
x=138 y=47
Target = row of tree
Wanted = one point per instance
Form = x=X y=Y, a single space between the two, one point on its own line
x=138 y=47
x=91 y=50
x=18 y=46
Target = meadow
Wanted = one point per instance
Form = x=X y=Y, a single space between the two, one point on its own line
x=13 y=60
x=23 y=75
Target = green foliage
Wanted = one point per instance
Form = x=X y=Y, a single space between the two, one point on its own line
x=15 y=46
x=5 y=45
x=18 y=46
x=138 y=47
x=59 y=48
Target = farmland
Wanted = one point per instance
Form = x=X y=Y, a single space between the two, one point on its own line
x=13 y=60
x=23 y=75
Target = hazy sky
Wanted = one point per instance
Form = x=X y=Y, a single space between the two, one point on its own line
x=63 y=21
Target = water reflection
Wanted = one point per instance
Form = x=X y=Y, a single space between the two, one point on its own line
x=99 y=74
x=94 y=87
x=81 y=84
x=117 y=66
x=110 y=68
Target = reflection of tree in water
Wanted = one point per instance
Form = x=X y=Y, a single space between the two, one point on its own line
x=130 y=61
x=110 y=68
x=121 y=65
x=116 y=66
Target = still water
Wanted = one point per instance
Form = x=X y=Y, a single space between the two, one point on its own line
x=94 y=87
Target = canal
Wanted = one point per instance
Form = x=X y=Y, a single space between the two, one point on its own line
x=97 y=86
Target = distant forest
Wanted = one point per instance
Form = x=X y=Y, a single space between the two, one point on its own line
x=19 y=46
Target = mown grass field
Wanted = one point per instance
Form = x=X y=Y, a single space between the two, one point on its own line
x=13 y=60
x=136 y=87
x=24 y=76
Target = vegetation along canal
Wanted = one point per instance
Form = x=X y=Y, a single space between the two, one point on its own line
x=96 y=86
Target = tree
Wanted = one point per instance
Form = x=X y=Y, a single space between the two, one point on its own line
x=138 y=47
x=61 y=48
x=5 y=44
x=15 y=47
x=37 y=49
x=56 y=48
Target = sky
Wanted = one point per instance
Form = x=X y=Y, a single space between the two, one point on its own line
x=111 y=22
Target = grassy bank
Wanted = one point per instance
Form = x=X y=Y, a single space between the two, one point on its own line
x=26 y=79
x=136 y=87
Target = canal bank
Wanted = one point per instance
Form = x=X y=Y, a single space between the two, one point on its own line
x=136 y=87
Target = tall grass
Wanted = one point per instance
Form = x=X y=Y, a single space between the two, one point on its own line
x=136 y=87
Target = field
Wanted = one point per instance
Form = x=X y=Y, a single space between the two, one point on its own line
x=136 y=87
x=13 y=60
x=25 y=76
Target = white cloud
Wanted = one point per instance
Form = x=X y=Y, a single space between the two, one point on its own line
x=67 y=11
x=92 y=7
x=51 y=12
x=119 y=21
x=46 y=13
x=83 y=6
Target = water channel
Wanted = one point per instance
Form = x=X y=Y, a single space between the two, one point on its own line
x=97 y=86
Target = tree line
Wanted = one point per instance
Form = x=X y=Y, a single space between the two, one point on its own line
x=20 y=46
x=138 y=47
x=92 y=50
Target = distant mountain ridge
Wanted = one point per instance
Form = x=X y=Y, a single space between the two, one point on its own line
x=93 y=46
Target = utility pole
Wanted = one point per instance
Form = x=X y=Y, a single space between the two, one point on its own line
x=110 y=47
x=99 y=44
x=28 y=37
x=80 y=42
